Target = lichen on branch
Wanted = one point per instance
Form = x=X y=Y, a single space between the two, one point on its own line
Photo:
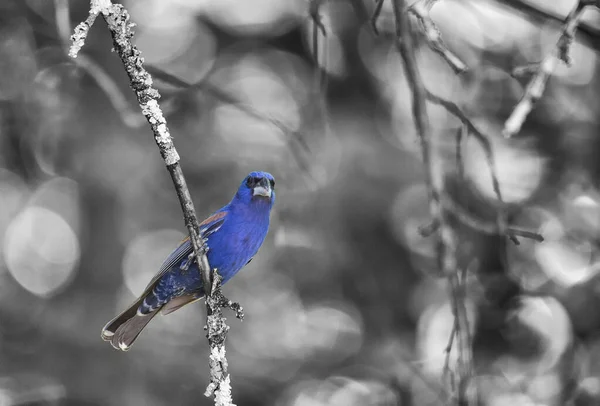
x=121 y=29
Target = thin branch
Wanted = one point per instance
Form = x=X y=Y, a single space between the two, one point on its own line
x=525 y=70
x=536 y=86
x=536 y=13
x=421 y=9
x=375 y=15
x=470 y=128
x=313 y=12
x=112 y=91
x=82 y=29
x=96 y=72
x=317 y=25
x=446 y=237
x=460 y=135
x=446 y=372
x=434 y=177
x=117 y=20
x=466 y=218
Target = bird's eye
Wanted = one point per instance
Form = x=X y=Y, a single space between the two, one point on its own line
x=256 y=180
x=250 y=181
x=272 y=182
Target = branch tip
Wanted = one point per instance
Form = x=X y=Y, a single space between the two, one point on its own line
x=542 y=71
x=421 y=9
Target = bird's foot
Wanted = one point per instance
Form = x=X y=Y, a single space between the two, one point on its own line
x=188 y=262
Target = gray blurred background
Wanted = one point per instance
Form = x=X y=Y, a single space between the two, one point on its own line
x=342 y=303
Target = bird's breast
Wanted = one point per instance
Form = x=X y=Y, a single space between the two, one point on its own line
x=234 y=245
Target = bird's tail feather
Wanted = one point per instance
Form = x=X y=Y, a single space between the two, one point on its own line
x=127 y=326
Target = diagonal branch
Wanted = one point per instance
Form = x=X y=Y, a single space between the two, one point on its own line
x=485 y=143
x=537 y=84
x=446 y=236
x=121 y=29
x=421 y=9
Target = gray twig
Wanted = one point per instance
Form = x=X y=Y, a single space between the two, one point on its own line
x=485 y=143
x=446 y=371
x=375 y=15
x=446 y=237
x=537 y=84
x=421 y=9
x=121 y=29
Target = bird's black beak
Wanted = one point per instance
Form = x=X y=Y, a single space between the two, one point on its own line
x=263 y=188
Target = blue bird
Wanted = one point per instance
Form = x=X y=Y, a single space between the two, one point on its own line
x=233 y=235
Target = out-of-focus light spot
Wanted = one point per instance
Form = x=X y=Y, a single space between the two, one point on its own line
x=287 y=236
x=590 y=386
x=159 y=15
x=582 y=211
x=519 y=169
x=331 y=56
x=394 y=88
x=511 y=399
x=471 y=28
x=282 y=316
x=333 y=330
x=265 y=17
x=585 y=202
x=565 y=263
x=256 y=85
x=492 y=22
x=323 y=332
x=163 y=45
x=522 y=259
x=192 y=5
x=544 y=388
x=410 y=211
x=433 y=333
x=30 y=388
x=339 y=391
x=41 y=250
x=191 y=61
x=548 y=318
x=145 y=254
x=60 y=195
x=6 y=398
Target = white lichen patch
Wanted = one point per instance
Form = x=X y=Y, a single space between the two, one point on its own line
x=223 y=394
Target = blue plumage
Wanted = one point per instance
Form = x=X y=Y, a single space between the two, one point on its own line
x=233 y=235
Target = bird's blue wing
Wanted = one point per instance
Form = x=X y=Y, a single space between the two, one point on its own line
x=209 y=226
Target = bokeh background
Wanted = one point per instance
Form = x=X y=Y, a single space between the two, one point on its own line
x=343 y=305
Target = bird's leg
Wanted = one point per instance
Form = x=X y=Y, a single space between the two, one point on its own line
x=190 y=259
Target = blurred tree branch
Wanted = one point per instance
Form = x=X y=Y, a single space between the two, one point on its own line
x=537 y=84
x=121 y=29
x=588 y=34
x=421 y=9
x=446 y=237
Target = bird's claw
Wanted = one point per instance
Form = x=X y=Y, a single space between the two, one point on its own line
x=188 y=262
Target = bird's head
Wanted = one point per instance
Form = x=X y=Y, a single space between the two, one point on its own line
x=258 y=188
